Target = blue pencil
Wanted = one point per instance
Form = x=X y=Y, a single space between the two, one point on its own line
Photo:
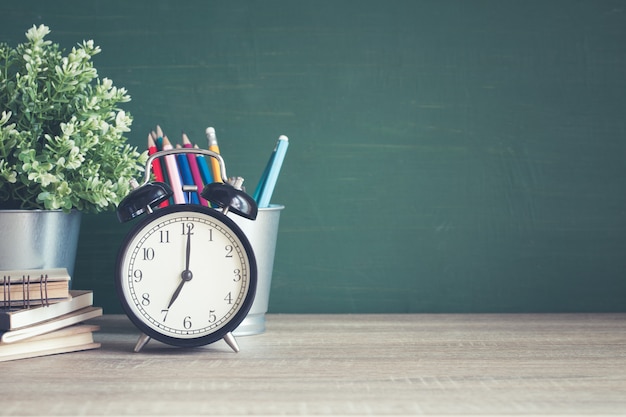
x=266 y=185
x=205 y=171
x=203 y=166
x=186 y=177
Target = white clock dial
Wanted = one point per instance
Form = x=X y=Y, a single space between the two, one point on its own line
x=186 y=276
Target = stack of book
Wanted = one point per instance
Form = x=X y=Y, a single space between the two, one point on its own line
x=40 y=315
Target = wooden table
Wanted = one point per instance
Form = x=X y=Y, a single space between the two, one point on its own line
x=342 y=365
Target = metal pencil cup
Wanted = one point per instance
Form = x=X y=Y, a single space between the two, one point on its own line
x=262 y=234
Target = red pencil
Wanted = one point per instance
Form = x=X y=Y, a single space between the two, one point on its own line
x=156 y=165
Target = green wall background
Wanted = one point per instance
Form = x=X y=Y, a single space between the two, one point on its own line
x=446 y=156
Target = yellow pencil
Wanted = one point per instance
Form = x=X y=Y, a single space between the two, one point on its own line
x=215 y=166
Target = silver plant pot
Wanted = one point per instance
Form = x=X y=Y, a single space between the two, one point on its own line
x=37 y=239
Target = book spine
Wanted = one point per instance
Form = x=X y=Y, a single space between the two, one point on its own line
x=24 y=291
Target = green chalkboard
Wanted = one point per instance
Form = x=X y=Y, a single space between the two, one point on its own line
x=446 y=156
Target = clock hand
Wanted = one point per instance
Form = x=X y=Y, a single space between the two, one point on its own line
x=175 y=295
x=188 y=252
x=186 y=275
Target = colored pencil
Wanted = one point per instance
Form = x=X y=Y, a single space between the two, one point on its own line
x=186 y=177
x=195 y=171
x=203 y=166
x=173 y=174
x=213 y=146
x=157 y=170
x=158 y=139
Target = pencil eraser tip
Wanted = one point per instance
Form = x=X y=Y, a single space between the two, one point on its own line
x=283 y=137
x=210 y=131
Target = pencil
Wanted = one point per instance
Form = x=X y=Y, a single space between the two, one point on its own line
x=173 y=174
x=203 y=166
x=186 y=177
x=157 y=170
x=195 y=171
x=213 y=146
x=157 y=135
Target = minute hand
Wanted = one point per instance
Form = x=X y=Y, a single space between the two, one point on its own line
x=186 y=275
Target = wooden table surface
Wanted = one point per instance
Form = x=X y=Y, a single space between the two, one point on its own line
x=342 y=365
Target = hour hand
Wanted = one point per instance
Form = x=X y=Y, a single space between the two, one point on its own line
x=176 y=293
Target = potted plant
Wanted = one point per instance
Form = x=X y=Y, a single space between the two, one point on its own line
x=62 y=144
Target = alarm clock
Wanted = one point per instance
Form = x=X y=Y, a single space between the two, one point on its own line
x=186 y=274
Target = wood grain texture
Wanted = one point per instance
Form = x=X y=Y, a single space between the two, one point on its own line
x=343 y=365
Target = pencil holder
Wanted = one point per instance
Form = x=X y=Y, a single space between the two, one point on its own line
x=262 y=234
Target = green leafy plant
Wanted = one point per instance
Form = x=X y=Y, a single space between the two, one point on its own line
x=62 y=143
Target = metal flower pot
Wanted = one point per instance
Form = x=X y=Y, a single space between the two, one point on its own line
x=37 y=239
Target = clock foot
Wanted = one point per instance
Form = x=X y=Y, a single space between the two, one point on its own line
x=143 y=340
x=230 y=340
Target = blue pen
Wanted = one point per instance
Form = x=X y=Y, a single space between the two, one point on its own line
x=263 y=179
x=268 y=183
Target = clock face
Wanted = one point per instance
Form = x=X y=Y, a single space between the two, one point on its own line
x=186 y=275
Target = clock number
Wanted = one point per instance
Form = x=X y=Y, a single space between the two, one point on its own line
x=212 y=316
x=229 y=251
x=237 y=276
x=229 y=298
x=187 y=322
x=165 y=236
x=210 y=235
x=164 y=312
x=145 y=299
x=187 y=228
x=137 y=275
x=148 y=254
